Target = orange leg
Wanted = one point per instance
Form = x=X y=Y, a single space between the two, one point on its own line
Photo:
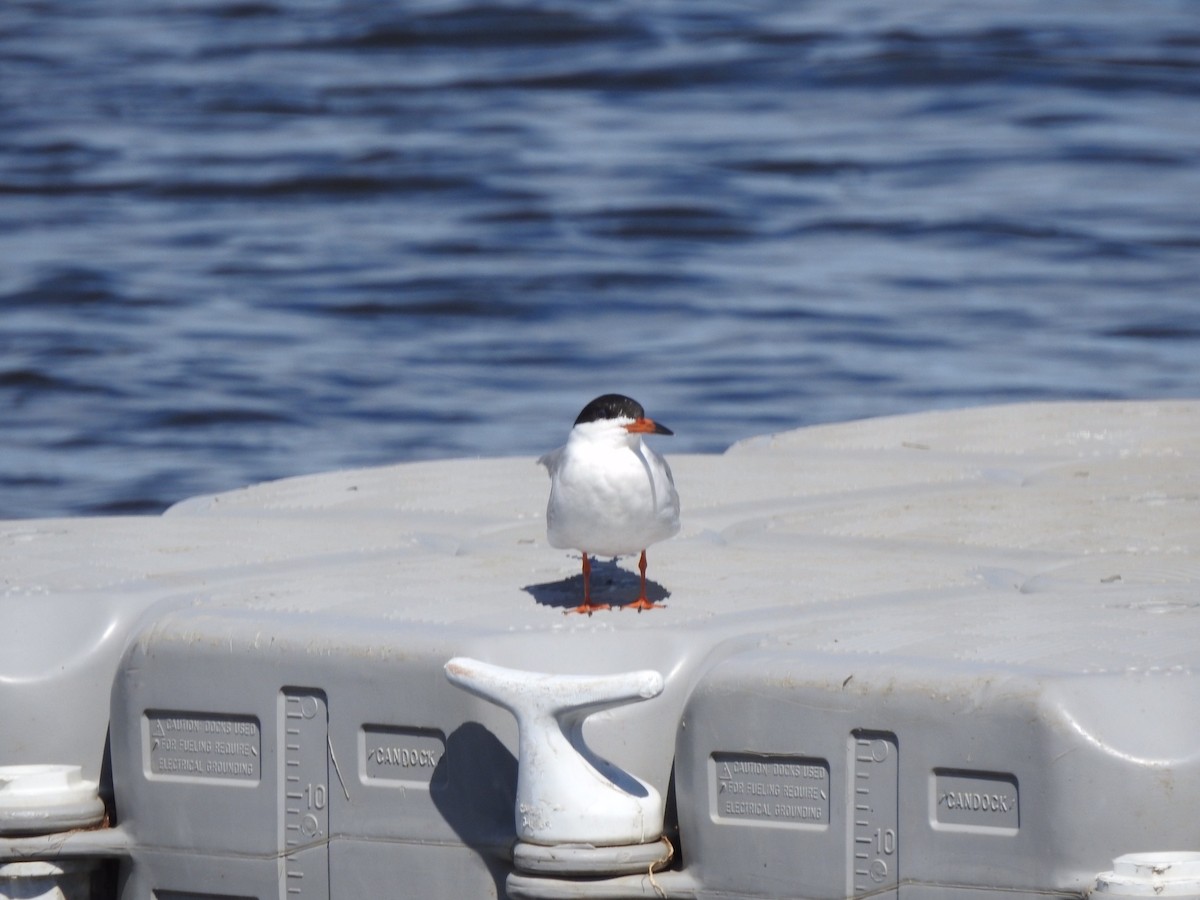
x=642 y=602
x=587 y=606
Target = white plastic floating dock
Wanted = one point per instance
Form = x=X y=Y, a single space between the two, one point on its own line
x=945 y=655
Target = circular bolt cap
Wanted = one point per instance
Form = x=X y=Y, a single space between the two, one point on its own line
x=44 y=799
x=1160 y=874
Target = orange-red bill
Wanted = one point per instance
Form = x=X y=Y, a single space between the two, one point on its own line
x=647 y=426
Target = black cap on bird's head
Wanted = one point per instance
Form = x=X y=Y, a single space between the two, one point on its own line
x=618 y=406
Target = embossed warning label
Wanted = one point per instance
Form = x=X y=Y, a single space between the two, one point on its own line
x=189 y=745
x=391 y=753
x=976 y=799
x=771 y=789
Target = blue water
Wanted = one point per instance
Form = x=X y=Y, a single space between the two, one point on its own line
x=245 y=239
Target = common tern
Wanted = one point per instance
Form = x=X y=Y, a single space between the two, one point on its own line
x=610 y=494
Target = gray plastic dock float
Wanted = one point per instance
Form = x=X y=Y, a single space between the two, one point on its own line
x=948 y=655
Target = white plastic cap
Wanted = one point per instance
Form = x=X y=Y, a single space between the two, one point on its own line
x=41 y=880
x=1159 y=874
x=43 y=799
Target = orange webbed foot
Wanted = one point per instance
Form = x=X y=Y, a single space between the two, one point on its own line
x=644 y=603
x=587 y=608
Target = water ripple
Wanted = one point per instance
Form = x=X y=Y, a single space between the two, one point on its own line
x=242 y=239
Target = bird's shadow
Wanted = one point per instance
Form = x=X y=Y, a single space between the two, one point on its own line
x=610 y=584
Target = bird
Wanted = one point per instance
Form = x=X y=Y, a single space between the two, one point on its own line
x=610 y=494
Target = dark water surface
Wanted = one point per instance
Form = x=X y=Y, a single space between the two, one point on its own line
x=242 y=239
